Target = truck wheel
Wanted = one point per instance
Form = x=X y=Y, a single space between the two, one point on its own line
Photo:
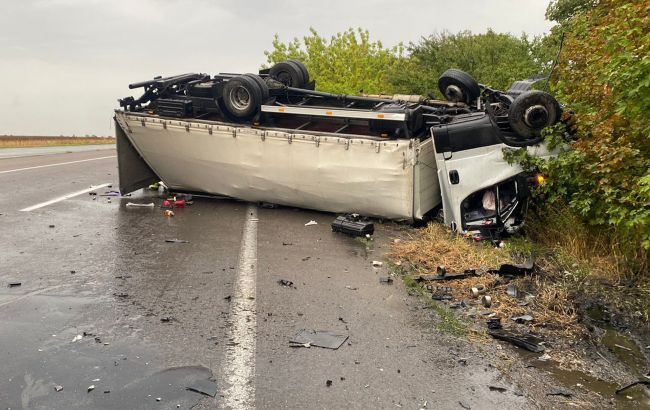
x=458 y=86
x=242 y=97
x=264 y=88
x=288 y=73
x=303 y=68
x=532 y=111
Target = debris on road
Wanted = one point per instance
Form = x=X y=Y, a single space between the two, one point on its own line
x=386 y=279
x=328 y=383
x=91 y=388
x=286 y=283
x=527 y=342
x=514 y=270
x=494 y=323
x=14 y=284
x=351 y=288
x=77 y=338
x=477 y=290
x=58 y=388
x=377 y=264
x=207 y=387
x=638 y=382
x=318 y=338
x=135 y=205
x=310 y=223
x=563 y=393
x=354 y=225
x=169 y=213
x=523 y=319
x=176 y=241
x=167 y=319
x=486 y=300
x=497 y=388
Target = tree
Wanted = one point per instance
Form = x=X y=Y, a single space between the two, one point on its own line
x=348 y=62
x=604 y=78
x=492 y=58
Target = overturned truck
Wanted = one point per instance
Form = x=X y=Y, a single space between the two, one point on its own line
x=272 y=137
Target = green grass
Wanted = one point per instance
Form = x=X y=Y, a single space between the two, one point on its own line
x=450 y=323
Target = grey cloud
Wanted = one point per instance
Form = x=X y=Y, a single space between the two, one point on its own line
x=63 y=63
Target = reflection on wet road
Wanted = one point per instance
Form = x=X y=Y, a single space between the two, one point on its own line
x=105 y=301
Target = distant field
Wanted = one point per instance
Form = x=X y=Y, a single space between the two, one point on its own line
x=9 y=141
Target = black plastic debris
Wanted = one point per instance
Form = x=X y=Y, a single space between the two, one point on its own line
x=167 y=319
x=121 y=295
x=638 y=382
x=318 y=338
x=207 y=387
x=14 y=284
x=494 y=323
x=354 y=225
x=442 y=274
x=497 y=388
x=515 y=270
x=523 y=319
x=386 y=280
x=527 y=342
x=176 y=241
x=563 y=393
x=286 y=283
x=328 y=383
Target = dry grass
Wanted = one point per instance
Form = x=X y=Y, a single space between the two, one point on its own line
x=550 y=305
x=25 y=142
x=434 y=246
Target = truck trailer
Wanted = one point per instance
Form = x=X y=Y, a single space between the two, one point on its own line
x=272 y=137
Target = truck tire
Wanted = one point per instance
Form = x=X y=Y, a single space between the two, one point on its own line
x=303 y=68
x=264 y=88
x=242 y=97
x=458 y=86
x=531 y=112
x=288 y=73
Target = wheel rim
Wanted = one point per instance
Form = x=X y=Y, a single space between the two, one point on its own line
x=240 y=98
x=536 y=116
x=454 y=93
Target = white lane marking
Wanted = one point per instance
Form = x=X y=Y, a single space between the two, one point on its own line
x=240 y=353
x=55 y=165
x=64 y=197
x=26 y=295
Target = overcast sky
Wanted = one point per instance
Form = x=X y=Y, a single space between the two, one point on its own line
x=64 y=63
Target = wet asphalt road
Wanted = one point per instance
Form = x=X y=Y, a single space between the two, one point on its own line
x=90 y=264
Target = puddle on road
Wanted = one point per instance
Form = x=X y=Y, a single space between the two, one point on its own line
x=623 y=348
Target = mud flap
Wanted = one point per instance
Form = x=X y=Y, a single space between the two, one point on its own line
x=133 y=170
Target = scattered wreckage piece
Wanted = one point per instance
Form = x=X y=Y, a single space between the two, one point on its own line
x=515 y=270
x=353 y=225
x=386 y=280
x=318 y=338
x=636 y=383
x=286 y=283
x=527 y=342
x=206 y=387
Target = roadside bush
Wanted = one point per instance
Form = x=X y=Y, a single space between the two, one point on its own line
x=604 y=78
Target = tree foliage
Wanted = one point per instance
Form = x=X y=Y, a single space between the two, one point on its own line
x=604 y=77
x=494 y=59
x=348 y=62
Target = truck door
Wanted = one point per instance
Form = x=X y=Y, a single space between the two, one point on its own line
x=479 y=188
